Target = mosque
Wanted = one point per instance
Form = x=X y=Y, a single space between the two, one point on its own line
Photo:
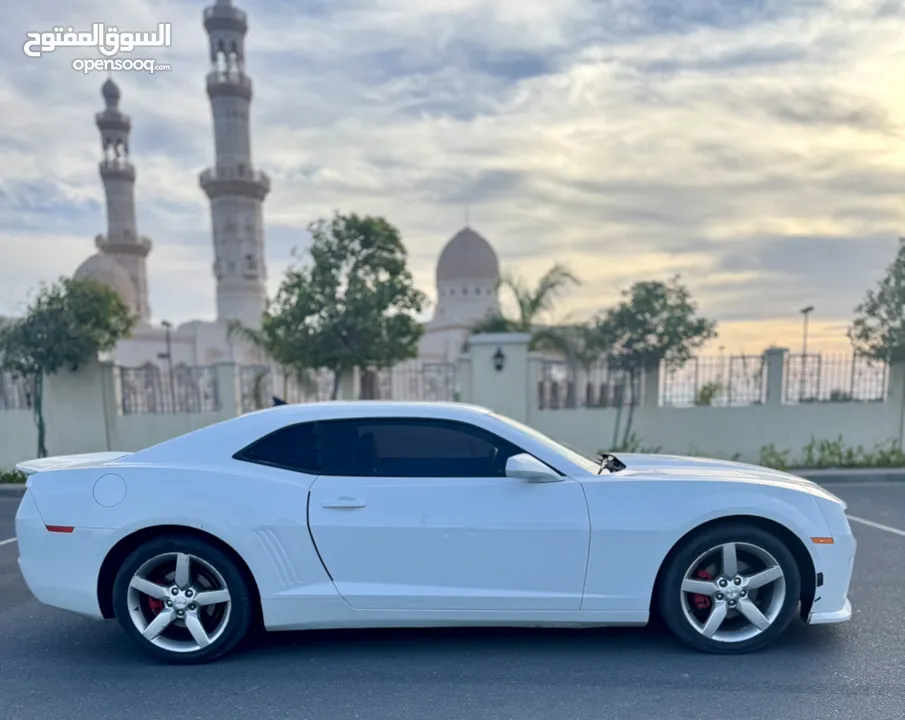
x=466 y=275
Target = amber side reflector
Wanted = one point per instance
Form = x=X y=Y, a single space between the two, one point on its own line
x=59 y=528
x=822 y=540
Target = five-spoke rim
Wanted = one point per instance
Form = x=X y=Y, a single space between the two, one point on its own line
x=733 y=592
x=179 y=602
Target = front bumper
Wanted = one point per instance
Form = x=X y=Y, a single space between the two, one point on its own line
x=836 y=563
x=833 y=616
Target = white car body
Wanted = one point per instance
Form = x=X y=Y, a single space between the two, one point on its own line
x=340 y=552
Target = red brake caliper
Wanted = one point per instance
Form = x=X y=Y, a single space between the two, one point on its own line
x=701 y=602
x=155 y=605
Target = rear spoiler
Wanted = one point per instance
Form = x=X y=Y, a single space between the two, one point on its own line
x=30 y=467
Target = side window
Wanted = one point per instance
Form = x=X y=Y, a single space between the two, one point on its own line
x=403 y=447
x=291 y=448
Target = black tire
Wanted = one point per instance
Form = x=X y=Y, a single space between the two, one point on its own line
x=241 y=613
x=670 y=596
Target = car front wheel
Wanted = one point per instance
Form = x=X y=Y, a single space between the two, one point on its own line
x=182 y=600
x=730 y=589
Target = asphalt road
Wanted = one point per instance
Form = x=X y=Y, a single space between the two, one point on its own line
x=56 y=665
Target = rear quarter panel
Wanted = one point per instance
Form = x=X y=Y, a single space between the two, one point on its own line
x=636 y=522
x=260 y=512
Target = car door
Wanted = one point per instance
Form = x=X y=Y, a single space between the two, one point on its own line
x=418 y=514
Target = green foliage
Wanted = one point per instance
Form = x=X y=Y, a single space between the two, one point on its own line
x=655 y=322
x=708 y=393
x=10 y=477
x=532 y=302
x=819 y=454
x=773 y=457
x=353 y=306
x=878 y=331
x=65 y=326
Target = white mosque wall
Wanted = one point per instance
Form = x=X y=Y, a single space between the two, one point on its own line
x=442 y=344
x=193 y=343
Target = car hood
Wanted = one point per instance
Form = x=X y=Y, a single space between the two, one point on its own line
x=690 y=468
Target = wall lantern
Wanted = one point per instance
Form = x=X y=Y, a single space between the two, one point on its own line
x=499 y=359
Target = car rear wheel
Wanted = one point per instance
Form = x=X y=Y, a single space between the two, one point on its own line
x=182 y=600
x=730 y=589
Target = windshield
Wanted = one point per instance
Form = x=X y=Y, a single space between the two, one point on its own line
x=581 y=460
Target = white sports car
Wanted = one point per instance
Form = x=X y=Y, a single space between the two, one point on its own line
x=373 y=514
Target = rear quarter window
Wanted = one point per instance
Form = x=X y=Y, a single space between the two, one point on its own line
x=290 y=448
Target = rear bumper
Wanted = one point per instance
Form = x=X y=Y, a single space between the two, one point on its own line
x=61 y=569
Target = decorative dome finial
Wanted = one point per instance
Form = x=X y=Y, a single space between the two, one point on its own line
x=110 y=92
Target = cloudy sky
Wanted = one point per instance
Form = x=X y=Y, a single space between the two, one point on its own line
x=754 y=146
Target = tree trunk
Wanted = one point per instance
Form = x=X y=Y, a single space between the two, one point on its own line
x=618 y=417
x=631 y=407
x=39 y=415
x=337 y=378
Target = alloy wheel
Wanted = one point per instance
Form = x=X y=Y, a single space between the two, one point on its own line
x=179 y=602
x=733 y=592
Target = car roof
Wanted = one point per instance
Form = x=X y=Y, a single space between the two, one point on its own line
x=335 y=409
x=229 y=436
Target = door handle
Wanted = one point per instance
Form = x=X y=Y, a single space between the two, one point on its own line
x=343 y=503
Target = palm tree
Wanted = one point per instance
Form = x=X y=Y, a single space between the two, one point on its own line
x=532 y=302
x=265 y=345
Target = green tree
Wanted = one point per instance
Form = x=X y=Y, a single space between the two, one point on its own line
x=532 y=302
x=655 y=322
x=353 y=306
x=878 y=331
x=65 y=326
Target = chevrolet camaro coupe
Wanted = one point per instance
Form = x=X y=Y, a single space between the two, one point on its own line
x=383 y=514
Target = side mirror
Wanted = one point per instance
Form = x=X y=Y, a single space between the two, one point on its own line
x=527 y=467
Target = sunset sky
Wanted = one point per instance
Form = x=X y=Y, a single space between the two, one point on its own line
x=754 y=146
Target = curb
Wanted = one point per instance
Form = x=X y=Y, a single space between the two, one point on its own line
x=854 y=475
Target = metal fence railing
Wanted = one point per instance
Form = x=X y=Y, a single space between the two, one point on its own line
x=151 y=389
x=563 y=385
x=721 y=381
x=834 y=378
x=16 y=392
x=717 y=381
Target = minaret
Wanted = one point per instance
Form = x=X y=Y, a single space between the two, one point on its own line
x=122 y=241
x=235 y=189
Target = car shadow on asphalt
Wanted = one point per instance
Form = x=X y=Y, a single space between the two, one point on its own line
x=510 y=644
x=332 y=652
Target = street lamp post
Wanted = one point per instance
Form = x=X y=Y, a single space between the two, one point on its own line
x=168 y=356
x=806 y=313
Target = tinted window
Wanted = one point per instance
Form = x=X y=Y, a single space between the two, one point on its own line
x=293 y=448
x=394 y=447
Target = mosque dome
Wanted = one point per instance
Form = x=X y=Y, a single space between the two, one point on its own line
x=105 y=270
x=467 y=256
